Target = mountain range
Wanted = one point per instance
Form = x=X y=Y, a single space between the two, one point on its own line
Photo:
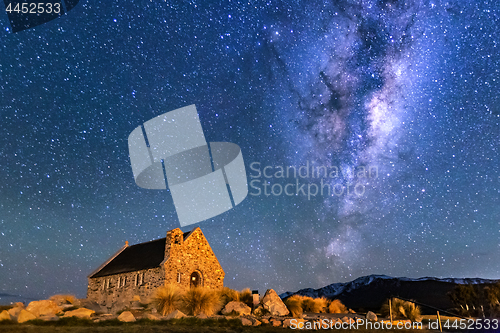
x=370 y=292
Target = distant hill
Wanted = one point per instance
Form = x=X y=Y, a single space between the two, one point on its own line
x=6 y=299
x=370 y=292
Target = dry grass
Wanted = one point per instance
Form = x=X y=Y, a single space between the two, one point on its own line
x=227 y=295
x=314 y=305
x=167 y=299
x=306 y=304
x=402 y=310
x=201 y=300
x=336 y=306
x=246 y=297
x=294 y=305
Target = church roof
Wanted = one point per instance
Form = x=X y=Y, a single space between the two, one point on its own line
x=135 y=258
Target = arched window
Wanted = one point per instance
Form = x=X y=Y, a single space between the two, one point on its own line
x=195 y=279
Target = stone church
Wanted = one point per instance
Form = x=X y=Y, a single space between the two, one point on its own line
x=185 y=259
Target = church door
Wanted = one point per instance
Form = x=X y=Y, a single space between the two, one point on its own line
x=195 y=279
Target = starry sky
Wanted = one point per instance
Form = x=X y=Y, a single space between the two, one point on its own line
x=406 y=89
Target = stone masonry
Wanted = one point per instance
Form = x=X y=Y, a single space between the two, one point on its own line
x=186 y=259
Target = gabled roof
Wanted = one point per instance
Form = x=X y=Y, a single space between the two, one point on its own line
x=135 y=258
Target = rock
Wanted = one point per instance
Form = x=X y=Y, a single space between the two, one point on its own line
x=260 y=311
x=352 y=311
x=254 y=320
x=126 y=316
x=24 y=316
x=65 y=307
x=275 y=322
x=273 y=303
x=371 y=316
x=201 y=316
x=239 y=307
x=92 y=305
x=103 y=317
x=175 y=315
x=65 y=299
x=245 y=321
x=49 y=317
x=80 y=313
x=264 y=321
x=43 y=307
x=4 y=315
x=151 y=316
x=120 y=305
x=14 y=312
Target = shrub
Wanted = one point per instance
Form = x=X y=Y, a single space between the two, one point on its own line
x=314 y=305
x=246 y=297
x=401 y=310
x=294 y=305
x=336 y=306
x=167 y=298
x=201 y=300
x=322 y=304
x=227 y=295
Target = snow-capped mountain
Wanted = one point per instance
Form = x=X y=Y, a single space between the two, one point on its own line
x=369 y=292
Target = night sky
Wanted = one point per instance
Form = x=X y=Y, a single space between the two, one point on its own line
x=408 y=90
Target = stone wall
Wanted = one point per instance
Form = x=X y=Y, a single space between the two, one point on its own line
x=182 y=258
x=185 y=256
x=114 y=290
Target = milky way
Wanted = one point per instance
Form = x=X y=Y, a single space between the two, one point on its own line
x=409 y=89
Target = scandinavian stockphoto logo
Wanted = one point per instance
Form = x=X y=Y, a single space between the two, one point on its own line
x=205 y=179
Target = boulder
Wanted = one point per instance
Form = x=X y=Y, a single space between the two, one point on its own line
x=49 y=317
x=14 y=312
x=65 y=299
x=276 y=322
x=4 y=315
x=260 y=311
x=103 y=317
x=43 y=307
x=245 y=321
x=24 y=316
x=175 y=315
x=126 y=316
x=273 y=303
x=151 y=316
x=239 y=307
x=371 y=316
x=256 y=323
x=85 y=303
x=80 y=313
x=201 y=316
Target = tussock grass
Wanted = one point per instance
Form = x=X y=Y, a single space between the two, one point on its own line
x=294 y=305
x=401 y=310
x=297 y=304
x=336 y=306
x=246 y=297
x=201 y=300
x=167 y=299
x=227 y=295
x=314 y=305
